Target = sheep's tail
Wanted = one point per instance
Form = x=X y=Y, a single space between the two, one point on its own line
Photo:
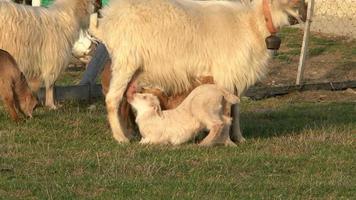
x=229 y=97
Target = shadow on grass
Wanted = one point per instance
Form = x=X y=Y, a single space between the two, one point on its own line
x=294 y=119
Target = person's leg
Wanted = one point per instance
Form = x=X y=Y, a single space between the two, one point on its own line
x=96 y=65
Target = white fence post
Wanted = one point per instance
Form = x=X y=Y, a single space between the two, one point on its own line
x=304 y=50
x=36 y=2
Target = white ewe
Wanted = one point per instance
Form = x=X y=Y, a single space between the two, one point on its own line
x=41 y=39
x=171 y=42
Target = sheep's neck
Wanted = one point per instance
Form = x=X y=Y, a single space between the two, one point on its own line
x=268 y=17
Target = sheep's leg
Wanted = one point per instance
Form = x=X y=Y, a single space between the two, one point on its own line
x=34 y=84
x=235 y=132
x=50 y=97
x=127 y=117
x=118 y=83
x=131 y=89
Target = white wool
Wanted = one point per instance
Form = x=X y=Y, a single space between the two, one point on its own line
x=174 y=41
x=82 y=45
x=202 y=109
x=40 y=38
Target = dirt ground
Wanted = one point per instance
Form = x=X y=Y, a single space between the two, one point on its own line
x=330 y=59
x=348 y=95
x=321 y=68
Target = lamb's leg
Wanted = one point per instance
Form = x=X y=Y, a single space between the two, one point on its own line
x=218 y=124
x=214 y=134
x=225 y=135
x=9 y=102
x=219 y=135
x=235 y=132
x=50 y=97
x=118 y=84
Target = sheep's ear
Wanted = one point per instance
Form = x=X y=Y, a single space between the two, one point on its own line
x=158 y=110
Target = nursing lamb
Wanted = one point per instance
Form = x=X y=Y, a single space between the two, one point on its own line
x=202 y=109
x=172 y=42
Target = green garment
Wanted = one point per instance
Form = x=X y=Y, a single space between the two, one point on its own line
x=46 y=3
x=105 y=2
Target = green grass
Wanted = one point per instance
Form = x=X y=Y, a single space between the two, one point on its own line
x=295 y=150
x=70 y=77
x=292 y=42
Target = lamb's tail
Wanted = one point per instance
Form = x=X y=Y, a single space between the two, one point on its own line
x=229 y=97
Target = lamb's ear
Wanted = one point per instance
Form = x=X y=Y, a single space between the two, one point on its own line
x=158 y=110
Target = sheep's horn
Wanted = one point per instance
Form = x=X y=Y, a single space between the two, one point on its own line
x=301 y=16
x=303 y=10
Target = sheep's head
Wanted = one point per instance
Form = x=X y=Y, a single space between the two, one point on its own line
x=145 y=103
x=279 y=13
x=83 y=10
x=286 y=12
x=28 y=104
x=25 y=98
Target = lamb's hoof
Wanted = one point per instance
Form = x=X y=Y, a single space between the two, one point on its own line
x=122 y=140
x=16 y=120
x=206 y=144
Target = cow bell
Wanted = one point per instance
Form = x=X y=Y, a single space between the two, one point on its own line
x=273 y=42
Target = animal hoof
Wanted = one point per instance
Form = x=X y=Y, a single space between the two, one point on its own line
x=237 y=139
x=122 y=140
x=16 y=120
x=205 y=144
x=230 y=143
x=52 y=107
x=241 y=140
x=144 y=142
